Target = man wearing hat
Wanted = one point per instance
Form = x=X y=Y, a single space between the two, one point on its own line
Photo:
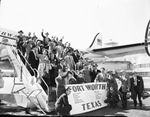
x=33 y=59
x=136 y=88
x=39 y=47
x=62 y=106
x=20 y=32
x=94 y=72
x=46 y=39
x=20 y=40
x=28 y=45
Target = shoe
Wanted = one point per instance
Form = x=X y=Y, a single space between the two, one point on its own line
x=134 y=107
x=141 y=107
x=124 y=107
x=27 y=111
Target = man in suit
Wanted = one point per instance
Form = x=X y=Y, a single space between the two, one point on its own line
x=46 y=39
x=33 y=59
x=94 y=72
x=136 y=88
x=39 y=47
x=20 y=40
x=125 y=81
x=62 y=105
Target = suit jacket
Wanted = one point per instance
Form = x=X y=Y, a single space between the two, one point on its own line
x=39 y=50
x=44 y=40
x=75 y=57
x=34 y=62
x=125 y=83
x=94 y=74
x=139 y=88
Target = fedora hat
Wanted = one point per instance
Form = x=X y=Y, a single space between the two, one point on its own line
x=20 y=31
x=47 y=33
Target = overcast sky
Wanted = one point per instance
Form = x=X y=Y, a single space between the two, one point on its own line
x=123 y=21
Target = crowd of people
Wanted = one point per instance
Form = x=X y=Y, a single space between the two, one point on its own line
x=59 y=64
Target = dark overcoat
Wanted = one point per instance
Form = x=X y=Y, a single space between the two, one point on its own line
x=140 y=86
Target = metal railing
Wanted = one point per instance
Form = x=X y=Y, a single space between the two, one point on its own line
x=15 y=52
x=26 y=62
x=34 y=72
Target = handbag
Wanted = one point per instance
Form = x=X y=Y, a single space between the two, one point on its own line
x=145 y=94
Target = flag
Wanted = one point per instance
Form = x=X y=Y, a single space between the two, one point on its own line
x=99 y=42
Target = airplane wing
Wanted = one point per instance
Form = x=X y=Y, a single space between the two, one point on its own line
x=108 y=53
x=122 y=50
x=119 y=51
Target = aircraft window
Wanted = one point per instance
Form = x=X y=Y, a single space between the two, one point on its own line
x=7 y=69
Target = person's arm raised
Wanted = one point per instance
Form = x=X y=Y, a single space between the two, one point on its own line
x=42 y=33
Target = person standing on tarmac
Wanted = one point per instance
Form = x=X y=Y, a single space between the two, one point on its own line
x=136 y=88
x=60 y=81
x=124 y=88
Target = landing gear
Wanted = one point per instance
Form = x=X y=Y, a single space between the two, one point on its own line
x=27 y=110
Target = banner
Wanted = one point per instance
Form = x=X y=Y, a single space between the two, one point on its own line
x=87 y=97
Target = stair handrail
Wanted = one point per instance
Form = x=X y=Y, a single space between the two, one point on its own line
x=34 y=70
x=44 y=83
x=15 y=50
x=12 y=46
x=26 y=62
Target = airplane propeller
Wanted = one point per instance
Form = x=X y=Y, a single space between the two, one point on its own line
x=147 y=38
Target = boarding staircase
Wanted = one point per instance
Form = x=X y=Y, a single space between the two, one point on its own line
x=31 y=89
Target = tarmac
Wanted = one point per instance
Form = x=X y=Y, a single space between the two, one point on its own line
x=118 y=111
x=7 y=109
x=13 y=110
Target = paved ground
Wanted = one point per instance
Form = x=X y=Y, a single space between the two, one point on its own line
x=6 y=109
x=129 y=112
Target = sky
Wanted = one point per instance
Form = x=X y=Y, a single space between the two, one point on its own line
x=122 y=21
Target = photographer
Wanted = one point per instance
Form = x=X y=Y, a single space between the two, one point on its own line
x=62 y=106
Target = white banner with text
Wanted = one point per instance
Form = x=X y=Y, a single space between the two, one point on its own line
x=87 y=97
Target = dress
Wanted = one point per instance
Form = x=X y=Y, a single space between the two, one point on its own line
x=43 y=66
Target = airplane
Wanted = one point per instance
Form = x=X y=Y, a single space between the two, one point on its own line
x=26 y=92
x=138 y=54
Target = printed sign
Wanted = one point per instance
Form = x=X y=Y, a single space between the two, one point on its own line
x=87 y=97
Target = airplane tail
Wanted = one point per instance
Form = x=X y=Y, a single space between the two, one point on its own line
x=97 y=42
